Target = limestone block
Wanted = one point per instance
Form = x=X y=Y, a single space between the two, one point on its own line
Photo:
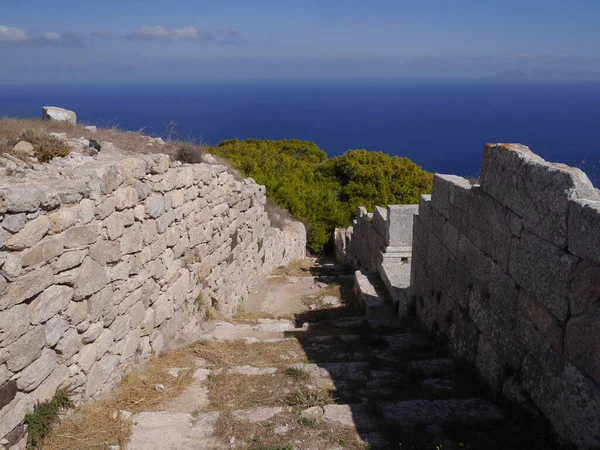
x=13 y=265
x=63 y=218
x=156 y=163
x=137 y=314
x=585 y=289
x=132 y=240
x=87 y=357
x=163 y=309
x=26 y=286
x=77 y=312
x=33 y=375
x=107 y=177
x=100 y=303
x=474 y=260
x=105 y=252
x=92 y=278
x=105 y=208
x=488 y=363
x=68 y=277
x=535 y=190
x=14 y=322
x=503 y=293
x=131 y=169
x=20 y=198
x=147 y=323
x=543 y=270
x=54 y=329
x=571 y=402
x=543 y=321
x=92 y=333
x=163 y=222
x=12 y=414
x=81 y=235
x=52 y=301
x=582 y=344
x=399 y=230
x=120 y=327
x=131 y=343
x=584 y=229
x=14 y=222
x=47 y=249
x=26 y=349
x=139 y=212
x=100 y=374
x=149 y=231
x=125 y=197
x=142 y=188
x=56 y=114
x=104 y=342
x=68 y=260
x=87 y=209
x=115 y=225
x=155 y=205
x=30 y=235
x=537 y=344
x=68 y=345
x=5 y=374
x=444 y=187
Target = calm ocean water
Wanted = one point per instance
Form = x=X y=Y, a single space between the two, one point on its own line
x=442 y=126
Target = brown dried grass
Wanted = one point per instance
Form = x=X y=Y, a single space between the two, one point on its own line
x=239 y=353
x=296 y=268
x=94 y=425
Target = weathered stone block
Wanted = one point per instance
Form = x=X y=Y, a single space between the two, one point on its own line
x=81 y=236
x=584 y=292
x=125 y=197
x=100 y=303
x=543 y=270
x=14 y=222
x=52 y=301
x=54 y=329
x=46 y=250
x=132 y=240
x=8 y=391
x=105 y=252
x=26 y=286
x=14 y=322
x=26 y=349
x=30 y=235
x=101 y=373
x=544 y=322
x=584 y=229
x=582 y=344
x=63 y=218
x=534 y=189
x=92 y=278
x=20 y=198
x=444 y=187
x=69 y=344
x=33 y=375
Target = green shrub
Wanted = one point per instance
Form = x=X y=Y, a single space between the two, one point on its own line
x=325 y=193
x=44 y=416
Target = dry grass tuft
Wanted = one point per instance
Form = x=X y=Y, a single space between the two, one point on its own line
x=97 y=426
x=240 y=353
x=278 y=216
x=296 y=268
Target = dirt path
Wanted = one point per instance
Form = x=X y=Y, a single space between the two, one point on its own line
x=302 y=369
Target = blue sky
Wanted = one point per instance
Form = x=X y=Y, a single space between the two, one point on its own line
x=187 y=40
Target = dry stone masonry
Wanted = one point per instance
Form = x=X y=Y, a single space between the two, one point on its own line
x=106 y=259
x=508 y=271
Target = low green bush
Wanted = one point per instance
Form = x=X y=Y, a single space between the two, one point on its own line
x=322 y=192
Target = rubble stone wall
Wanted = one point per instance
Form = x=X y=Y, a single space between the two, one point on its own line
x=509 y=272
x=105 y=260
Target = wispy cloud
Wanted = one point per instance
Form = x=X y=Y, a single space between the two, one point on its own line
x=101 y=34
x=228 y=32
x=12 y=35
x=161 y=33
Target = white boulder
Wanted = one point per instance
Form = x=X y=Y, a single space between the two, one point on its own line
x=59 y=115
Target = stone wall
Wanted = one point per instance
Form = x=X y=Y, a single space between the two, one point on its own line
x=509 y=272
x=105 y=260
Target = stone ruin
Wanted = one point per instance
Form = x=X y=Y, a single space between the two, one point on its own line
x=106 y=259
x=508 y=271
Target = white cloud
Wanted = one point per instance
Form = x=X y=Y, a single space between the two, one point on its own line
x=11 y=34
x=159 y=32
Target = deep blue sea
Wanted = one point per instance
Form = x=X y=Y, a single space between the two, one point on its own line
x=441 y=125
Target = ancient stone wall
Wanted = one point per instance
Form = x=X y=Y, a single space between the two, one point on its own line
x=105 y=260
x=509 y=272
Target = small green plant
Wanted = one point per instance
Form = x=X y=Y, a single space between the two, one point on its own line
x=308 y=398
x=44 y=416
x=200 y=302
x=297 y=373
x=307 y=422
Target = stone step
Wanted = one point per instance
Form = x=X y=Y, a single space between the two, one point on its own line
x=396 y=278
x=370 y=301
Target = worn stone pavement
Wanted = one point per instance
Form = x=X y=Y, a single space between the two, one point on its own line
x=393 y=386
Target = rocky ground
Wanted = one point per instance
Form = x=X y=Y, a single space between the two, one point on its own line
x=320 y=377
